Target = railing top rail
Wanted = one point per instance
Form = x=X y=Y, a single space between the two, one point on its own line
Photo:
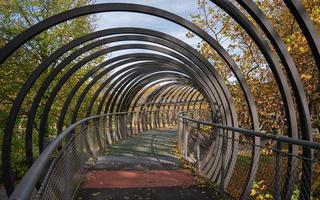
x=303 y=143
x=29 y=181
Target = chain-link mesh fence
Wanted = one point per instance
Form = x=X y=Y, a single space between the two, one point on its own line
x=247 y=164
x=57 y=172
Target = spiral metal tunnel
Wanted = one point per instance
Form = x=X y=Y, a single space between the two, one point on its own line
x=168 y=76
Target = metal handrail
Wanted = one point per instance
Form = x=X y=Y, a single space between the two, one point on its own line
x=225 y=157
x=26 y=186
x=247 y=132
x=25 y=189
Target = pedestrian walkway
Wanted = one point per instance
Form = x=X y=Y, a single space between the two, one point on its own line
x=141 y=167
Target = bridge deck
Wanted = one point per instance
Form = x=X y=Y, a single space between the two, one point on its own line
x=142 y=167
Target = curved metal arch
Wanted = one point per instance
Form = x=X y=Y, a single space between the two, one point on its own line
x=132 y=85
x=100 y=104
x=148 y=107
x=152 y=99
x=179 y=58
x=73 y=13
x=173 y=88
x=43 y=118
x=175 y=96
x=167 y=96
x=162 y=97
x=127 y=95
x=314 y=42
x=154 y=103
x=159 y=56
x=140 y=57
x=124 y=98
x=112 y=101
x=116 y=98
x=104 y=84
x=64 y=78
x=191 y=24
x=136 y=57
x=288 y=64
x=162 y=88
x=91 y=46
x=118 y=86
x=74 y=90
x=204 y=61
x=111 y=86
x=119 y=83
x=139 y=95
x=191 y=97
x=131 y=98
x=157 y=104
x=128 y=90
x=92 y=101
x=183 y=99
x=307 y=27
x=141 y=92
x=179 y=98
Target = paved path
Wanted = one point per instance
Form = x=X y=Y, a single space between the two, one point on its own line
x=142 y=167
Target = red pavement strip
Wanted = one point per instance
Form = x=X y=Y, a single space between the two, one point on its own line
x=138 y=179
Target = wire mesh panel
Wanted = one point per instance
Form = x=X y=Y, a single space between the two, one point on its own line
x=68 y=167
x=278 y=168
x=57 y=172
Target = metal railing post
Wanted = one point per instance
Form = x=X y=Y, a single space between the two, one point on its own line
x=102 y=133
x=277 y=184
x=91 y=148
x=116 y=133
x=186 y=135
x=223 y=167
x=198 y=146
x=97 y=132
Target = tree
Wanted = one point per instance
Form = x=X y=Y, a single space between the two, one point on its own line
x=252 y=63
x=15 y=17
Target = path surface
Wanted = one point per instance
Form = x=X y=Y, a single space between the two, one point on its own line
x=142 y=167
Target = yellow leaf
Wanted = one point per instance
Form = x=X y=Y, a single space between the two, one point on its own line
x=253 y=192
x=302 y=49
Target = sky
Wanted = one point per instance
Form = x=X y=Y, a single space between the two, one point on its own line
x=182 y=8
